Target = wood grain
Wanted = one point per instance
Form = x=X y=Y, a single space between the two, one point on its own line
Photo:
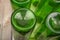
x=5 y=11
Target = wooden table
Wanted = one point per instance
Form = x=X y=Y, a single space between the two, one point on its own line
x=5 y=13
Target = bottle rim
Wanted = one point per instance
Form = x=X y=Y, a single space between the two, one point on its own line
x=15 y=1
x=21 y=28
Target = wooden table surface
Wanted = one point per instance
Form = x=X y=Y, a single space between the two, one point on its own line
x=5 y=14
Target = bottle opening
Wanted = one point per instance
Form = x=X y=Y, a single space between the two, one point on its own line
x=23 y=19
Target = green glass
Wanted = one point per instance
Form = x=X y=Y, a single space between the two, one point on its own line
x=23 y=20
x=52 y=22
x=41 y=15
x=47 y=13
x=35 y=2
x=53 y=19
x=20 y=4
x=34 y=5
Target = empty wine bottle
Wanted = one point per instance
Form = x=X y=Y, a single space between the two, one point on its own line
x=20 y=4
x=23 y=21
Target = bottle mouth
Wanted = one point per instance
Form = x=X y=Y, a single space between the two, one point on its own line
x=23 y=19
x=21 y=1
x=53 y=22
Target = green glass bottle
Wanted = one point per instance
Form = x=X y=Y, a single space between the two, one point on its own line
x=20 y=4
x=52 y=22
x=23 y=20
